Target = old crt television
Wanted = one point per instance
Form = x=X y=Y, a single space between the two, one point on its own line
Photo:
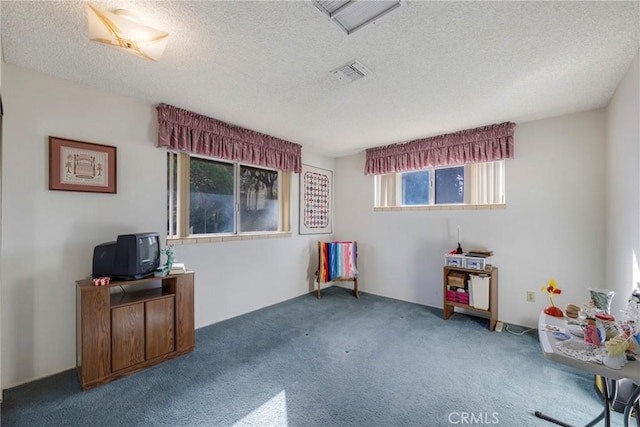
x=130 y=257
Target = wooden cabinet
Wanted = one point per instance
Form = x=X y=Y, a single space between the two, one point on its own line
x=127 y=336
x=127 y=326
x=448 y=306
x=159 y=330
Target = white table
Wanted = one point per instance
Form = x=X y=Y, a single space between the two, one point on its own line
x=631 y=370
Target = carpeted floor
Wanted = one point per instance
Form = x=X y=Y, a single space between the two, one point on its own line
x=337 y=361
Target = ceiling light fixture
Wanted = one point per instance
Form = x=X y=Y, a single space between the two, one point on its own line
x=123 y=30
x=351 y=15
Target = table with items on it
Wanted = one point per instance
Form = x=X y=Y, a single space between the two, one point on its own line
x=608 y=351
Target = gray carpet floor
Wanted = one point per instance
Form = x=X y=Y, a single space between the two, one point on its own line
x=337 y=361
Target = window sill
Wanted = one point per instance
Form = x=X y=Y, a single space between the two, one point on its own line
x=439 y=208
x=225 y=238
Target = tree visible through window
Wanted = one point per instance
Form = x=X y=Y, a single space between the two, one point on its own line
x=210 y=197
x=223 y=197
x=450 y=185
x=472 y=184
x=258 y=199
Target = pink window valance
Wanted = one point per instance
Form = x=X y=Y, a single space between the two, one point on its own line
x=183 y=130
x=483 y=144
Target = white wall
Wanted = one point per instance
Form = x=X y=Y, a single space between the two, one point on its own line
x=1 y=63
x=623 y=187
x=48 y=236
x=552 y=227
x=241 y=276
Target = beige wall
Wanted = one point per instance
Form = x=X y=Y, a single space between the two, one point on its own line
x=573 y=213
x=623 y=188
x=1 y=133
x=48 y=236
x=552 y=227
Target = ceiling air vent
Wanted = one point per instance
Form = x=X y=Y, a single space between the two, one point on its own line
x=351 y=71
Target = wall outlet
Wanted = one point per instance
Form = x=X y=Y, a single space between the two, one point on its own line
x=531 y=296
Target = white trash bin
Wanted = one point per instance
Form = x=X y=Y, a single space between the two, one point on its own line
x=480 y=290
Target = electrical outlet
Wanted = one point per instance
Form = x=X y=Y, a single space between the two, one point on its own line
x=499 y=326
x=531 y=296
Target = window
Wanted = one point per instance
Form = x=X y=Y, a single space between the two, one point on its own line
x=472 y=184
x=449 y=183
x=207 y=197
x=211 y=196
x=258 y=199
x=415 y=188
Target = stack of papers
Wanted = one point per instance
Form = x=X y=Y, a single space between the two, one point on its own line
x=177 y=268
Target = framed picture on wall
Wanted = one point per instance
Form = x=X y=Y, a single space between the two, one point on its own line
x=81 y=166
x=316 y=193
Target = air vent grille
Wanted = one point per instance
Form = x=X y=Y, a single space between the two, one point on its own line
x=351 y=71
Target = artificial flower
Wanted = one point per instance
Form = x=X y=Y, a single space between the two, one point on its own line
x=552 y=289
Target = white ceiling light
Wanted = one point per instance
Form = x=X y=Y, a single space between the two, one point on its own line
x=124 y=31
x=351 y=15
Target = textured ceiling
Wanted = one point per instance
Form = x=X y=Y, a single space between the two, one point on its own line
x=436 y=67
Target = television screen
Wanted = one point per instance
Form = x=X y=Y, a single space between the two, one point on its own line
x=149 y=251
x=130 y=257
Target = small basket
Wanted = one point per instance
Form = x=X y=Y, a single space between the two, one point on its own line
x=454 y=260
x=474 y=263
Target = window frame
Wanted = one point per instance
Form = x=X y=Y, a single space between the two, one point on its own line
x=397 y=193
x=178 y=199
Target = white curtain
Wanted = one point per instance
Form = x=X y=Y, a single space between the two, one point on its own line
x=484 y=183
x=385 y=190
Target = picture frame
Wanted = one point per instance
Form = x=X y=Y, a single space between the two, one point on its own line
x=316 y=200
x=81 y=166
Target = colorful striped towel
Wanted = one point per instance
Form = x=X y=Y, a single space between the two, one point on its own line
x=337 y=261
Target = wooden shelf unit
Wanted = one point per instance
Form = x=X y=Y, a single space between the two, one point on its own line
x=449 y=306
x=119 y=333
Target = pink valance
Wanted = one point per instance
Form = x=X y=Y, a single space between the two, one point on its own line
x=183 y=130
x=483 y=144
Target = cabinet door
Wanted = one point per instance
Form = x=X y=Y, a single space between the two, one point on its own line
x=185 y=332
x=127 y=336
x=94 y=333
x=159 y=327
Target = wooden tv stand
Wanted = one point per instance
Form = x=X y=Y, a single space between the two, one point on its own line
x=118 y=333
